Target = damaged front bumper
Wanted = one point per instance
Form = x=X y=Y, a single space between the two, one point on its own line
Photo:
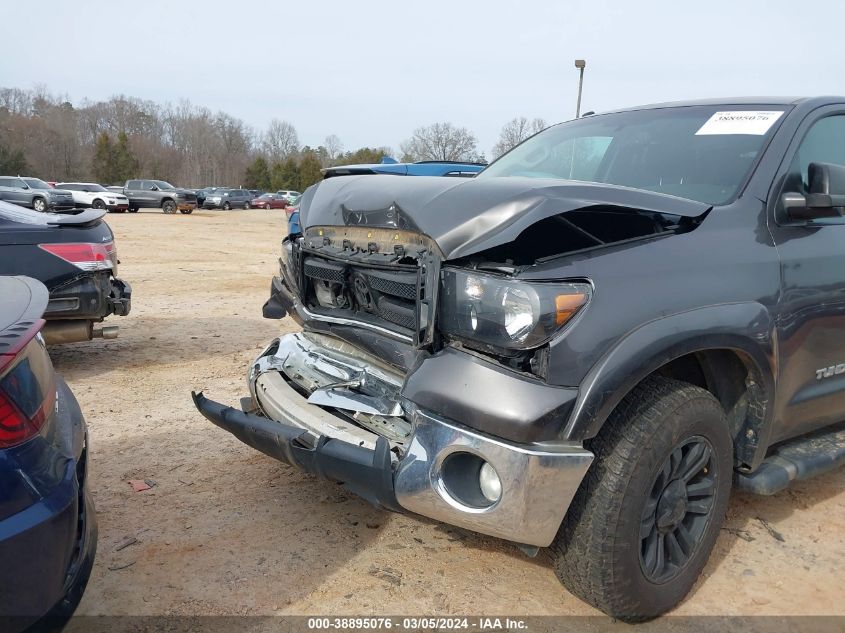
x=338 y=413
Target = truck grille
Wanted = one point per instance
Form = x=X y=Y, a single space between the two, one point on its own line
x=383 y=295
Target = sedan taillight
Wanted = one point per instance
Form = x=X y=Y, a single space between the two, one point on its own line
x=87 y=256
x=27 y=389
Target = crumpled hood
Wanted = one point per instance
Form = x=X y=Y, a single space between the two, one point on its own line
x=467 y=215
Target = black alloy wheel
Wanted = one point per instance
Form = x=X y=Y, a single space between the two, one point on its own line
x=678 y=509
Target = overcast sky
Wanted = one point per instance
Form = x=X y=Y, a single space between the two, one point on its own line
x=372 y=71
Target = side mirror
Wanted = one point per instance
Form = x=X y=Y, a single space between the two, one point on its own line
x=25 y=186
x=826 y=196
x=153 y=188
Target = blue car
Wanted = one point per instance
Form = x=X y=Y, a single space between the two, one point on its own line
x=48 y=530
x=389 y=166
x=421 y=168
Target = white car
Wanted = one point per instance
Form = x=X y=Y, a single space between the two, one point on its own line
x=90 y=194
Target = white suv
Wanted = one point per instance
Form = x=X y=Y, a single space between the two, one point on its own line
x=90 y=194
x=290 y=196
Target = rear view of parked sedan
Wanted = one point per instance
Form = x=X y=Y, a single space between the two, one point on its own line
x=270 y=201
x=48 y=530
x=74 y=255
x=91 y=195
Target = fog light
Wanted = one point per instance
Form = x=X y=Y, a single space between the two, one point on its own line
x=491 y=485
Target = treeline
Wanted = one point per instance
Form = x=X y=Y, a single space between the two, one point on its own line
x=48 y=136
x=111 y=141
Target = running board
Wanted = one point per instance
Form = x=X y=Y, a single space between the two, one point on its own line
x=800 y=458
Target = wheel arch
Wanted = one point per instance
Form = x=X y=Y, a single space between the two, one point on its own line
x=727 y=349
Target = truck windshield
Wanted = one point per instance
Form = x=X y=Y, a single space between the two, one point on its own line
x=703 y=153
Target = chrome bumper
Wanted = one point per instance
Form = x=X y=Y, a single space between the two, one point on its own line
x=538 y=480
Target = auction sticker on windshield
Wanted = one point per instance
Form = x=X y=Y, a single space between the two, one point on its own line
x=739 y=122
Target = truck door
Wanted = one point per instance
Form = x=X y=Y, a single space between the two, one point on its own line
x=811 y=309
x=148 y=194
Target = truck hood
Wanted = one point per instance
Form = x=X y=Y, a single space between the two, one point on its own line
x=465 y=216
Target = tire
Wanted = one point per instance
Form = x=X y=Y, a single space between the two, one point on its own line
x=246 y=205
x=39 y=204
x=632 y=518
x=168 y=206
x=133 y=209
x=227 y=206
x=186 y=211
x=99 y=204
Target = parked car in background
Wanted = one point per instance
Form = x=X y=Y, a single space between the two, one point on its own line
x=270 y=201
x=227 y=199
x=203 y=193
x=289 y=195
x=92 y=195
x=585 y=347
x=159 y=194
x=421 y=168
x=48 y=526
x=256 y=192
x=34 y=193
x=74 y=256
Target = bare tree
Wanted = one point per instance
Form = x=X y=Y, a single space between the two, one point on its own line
x=280 y=140
x=440 y=141
x=515 y=131
x=333 y=146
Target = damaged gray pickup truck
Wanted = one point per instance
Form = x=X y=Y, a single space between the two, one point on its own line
x=585 y=347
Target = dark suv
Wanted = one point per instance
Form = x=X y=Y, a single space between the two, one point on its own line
x=585 y=347
x=227 y=199
x=34 y=193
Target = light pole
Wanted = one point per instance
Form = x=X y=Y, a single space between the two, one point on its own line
x=579 y=64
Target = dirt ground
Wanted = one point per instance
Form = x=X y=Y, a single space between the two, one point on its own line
x=226 y=530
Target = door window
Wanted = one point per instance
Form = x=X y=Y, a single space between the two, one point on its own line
x=824 y=143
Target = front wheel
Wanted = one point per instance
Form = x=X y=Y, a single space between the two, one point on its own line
x=133 y=209
x=168 y=206
x=186 y=211
x=99 y=205
x=227 y=206
x=246 y=205
x=645 y=519
x=39 y=204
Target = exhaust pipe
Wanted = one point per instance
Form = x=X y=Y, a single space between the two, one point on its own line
x=106 y=332
x=74 y=331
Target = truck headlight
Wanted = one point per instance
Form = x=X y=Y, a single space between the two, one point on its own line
x=506 y=313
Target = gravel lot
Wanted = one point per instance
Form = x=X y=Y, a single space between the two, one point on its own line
x=226 y=530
